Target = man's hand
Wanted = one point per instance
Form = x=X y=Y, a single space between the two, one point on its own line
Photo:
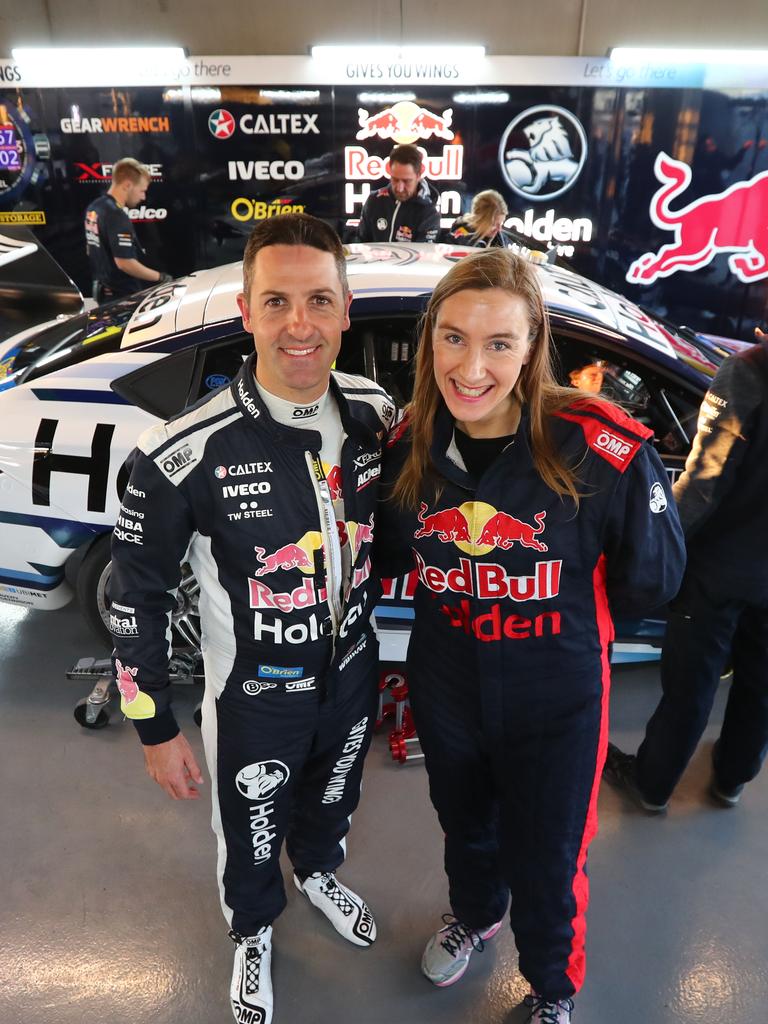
x=760 y=335
x=173 y=766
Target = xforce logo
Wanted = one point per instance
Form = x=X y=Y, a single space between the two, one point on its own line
x=255 y=782
x=178 y=460
x=99 y=173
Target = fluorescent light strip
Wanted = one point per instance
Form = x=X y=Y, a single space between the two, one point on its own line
x=670 y=55
x=474 y=98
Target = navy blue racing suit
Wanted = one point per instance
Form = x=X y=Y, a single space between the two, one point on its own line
x=290 y=668
x=508 y=664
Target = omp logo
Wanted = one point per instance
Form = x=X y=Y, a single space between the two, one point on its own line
x=301 y=684
x=301 y=412
x=253 y=687
x=614 y=445
x=178 y=460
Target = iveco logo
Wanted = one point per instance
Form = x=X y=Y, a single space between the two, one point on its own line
x=542 y=152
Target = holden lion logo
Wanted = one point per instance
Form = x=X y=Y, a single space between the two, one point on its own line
x=658 y=500
x=542 y=152
x=732 y=221
x=261 y=779
x=221 y=124
x=404 y=122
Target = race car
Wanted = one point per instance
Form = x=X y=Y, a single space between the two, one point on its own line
x=72 y=413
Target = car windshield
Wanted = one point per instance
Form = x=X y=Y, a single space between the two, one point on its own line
x=689 y=346
x=88 y=334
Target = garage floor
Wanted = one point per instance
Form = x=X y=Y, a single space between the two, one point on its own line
x=109 y=910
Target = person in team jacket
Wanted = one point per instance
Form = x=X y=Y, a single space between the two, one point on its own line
x=533 y=512
x=267 y=488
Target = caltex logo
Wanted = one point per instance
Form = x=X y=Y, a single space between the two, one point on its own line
x=221 y=124
x=220 y=472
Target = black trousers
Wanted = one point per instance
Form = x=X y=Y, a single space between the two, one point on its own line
x=285 y=765
x=517 y=800
x=706 y=632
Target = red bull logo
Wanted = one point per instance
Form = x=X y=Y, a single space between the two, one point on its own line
x=733 y=221
x=289 y=556
x=477 y=528
x=489 y=580
x=405 y=122
x=334 y=481
x=126 y=681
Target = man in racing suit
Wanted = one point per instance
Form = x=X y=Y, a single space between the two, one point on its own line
x=404 y=210
x=508 y=661
x=720 y=616
x=268 y=489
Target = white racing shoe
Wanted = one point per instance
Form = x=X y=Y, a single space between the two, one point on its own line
x=251 y=989
x=347 y=912
x=446 y=955
x=543 y=1012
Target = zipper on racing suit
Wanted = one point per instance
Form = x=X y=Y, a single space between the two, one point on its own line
x=331 y=545
x=394 y=218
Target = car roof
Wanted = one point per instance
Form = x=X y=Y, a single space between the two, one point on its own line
x=380 y=271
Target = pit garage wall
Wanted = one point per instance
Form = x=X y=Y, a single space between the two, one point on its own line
x=225 y=153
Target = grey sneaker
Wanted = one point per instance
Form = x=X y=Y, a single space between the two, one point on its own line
x=446 y=956
x=251 y=989
x=543 y=1012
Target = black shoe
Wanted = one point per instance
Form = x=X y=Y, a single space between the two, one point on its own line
x=726 y=796
x=620 y=772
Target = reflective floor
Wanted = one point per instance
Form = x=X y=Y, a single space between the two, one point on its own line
x=109 y=910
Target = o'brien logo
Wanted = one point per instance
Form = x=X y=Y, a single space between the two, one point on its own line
x=178 y=460
x=255 y=782
x=613 y=445
x=542 y=152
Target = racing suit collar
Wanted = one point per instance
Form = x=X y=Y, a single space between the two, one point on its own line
x=442 y=446
x=254 y=410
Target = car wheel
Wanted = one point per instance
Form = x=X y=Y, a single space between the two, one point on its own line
x=92 y=582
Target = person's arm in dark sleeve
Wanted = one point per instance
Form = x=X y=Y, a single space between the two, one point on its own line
x=429 y=228
x=392 y=554
x=148 y=546
x=643 y=540
x=365 y=227
x=720 y=443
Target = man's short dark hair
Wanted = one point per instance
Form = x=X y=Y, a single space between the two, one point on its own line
x=407 y=155
x=131 y=170
x=293 y=229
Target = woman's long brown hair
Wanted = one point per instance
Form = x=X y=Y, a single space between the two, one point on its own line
x=536 y=386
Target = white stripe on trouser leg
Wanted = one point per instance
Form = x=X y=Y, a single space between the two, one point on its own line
x=209 y=730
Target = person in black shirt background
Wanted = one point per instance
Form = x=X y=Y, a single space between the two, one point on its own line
x=114 y=251
x=483 y=225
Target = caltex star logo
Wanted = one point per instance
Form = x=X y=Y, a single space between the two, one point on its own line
x=221 y=124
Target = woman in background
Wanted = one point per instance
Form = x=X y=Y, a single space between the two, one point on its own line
x=483 y=225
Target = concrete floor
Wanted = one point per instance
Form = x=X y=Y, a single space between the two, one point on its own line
x=109 y=910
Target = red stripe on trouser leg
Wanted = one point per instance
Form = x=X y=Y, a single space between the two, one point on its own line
x=577 y=961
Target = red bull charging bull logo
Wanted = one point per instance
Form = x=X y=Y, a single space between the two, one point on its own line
x=733 y=221
x=477 y=528
x=404 y=122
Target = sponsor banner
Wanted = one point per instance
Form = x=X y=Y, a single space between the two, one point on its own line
x=29 y=217
x=101 y=173
x=245 y=209
x=124 y=125
x=301 y=70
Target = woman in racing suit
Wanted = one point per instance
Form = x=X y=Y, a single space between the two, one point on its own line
x=532 y=513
